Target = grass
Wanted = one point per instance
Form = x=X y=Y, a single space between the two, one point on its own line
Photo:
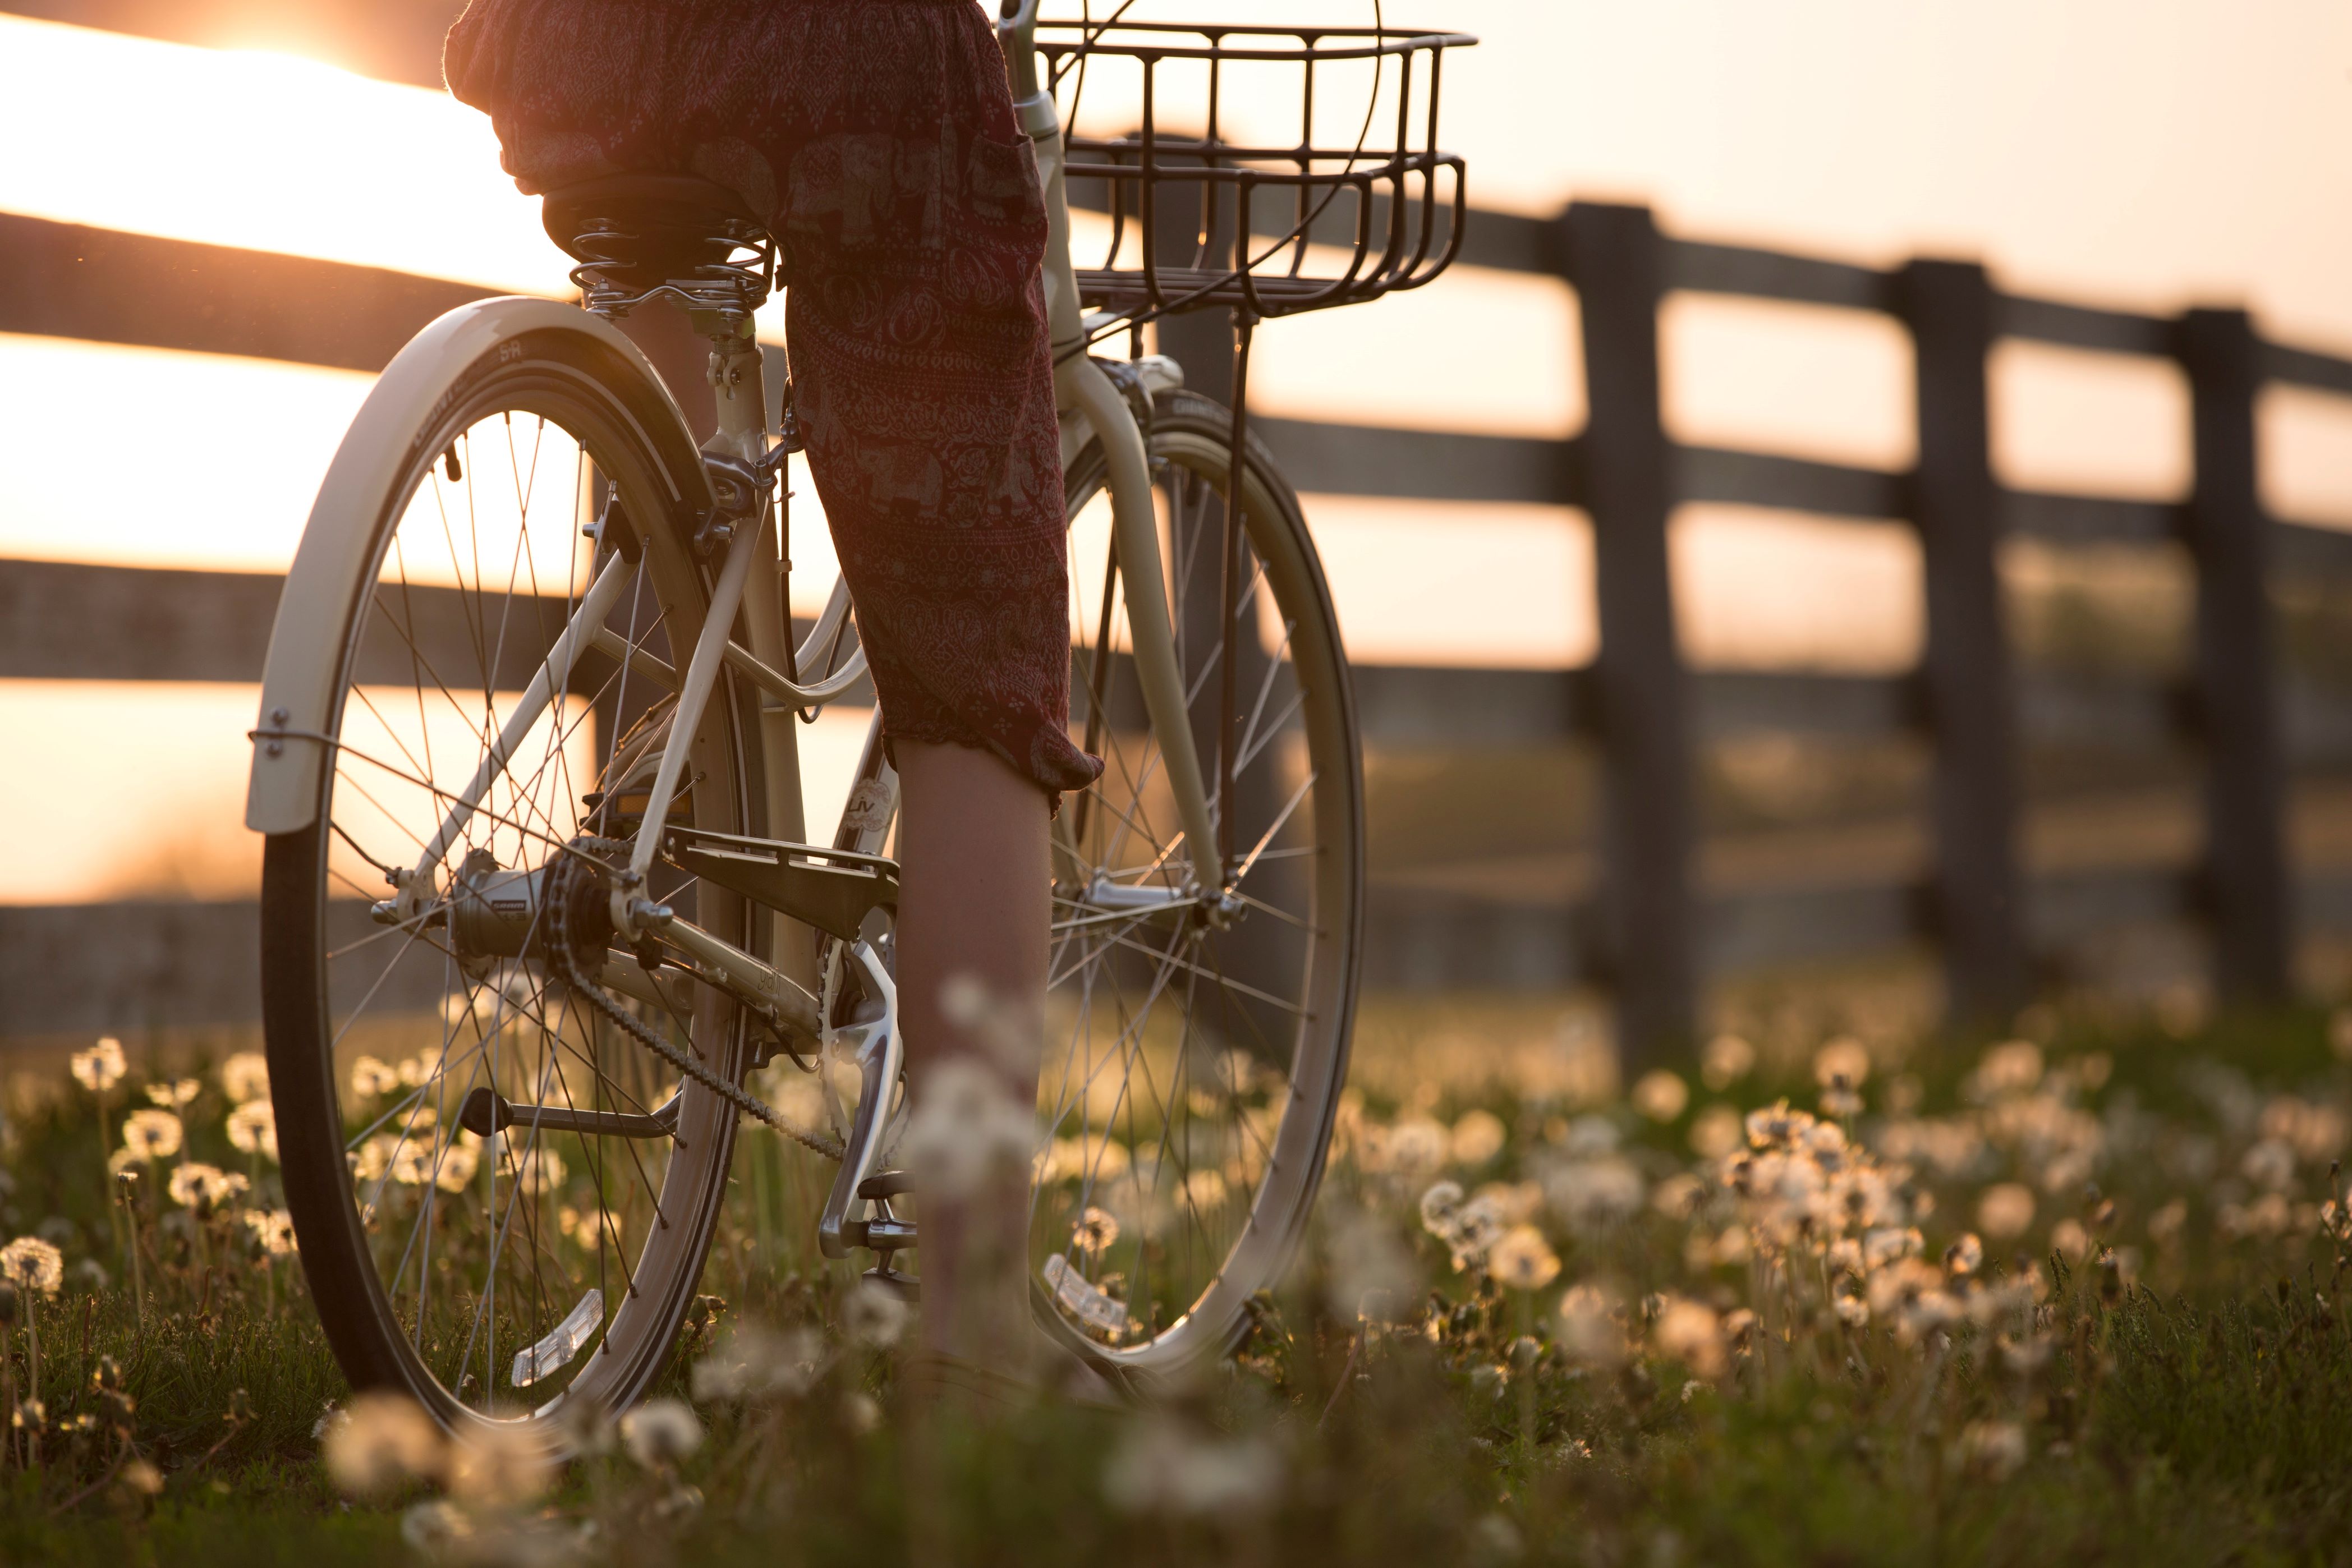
x=2156 y=1371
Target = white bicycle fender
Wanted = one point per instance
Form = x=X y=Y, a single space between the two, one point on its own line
x=297 y=689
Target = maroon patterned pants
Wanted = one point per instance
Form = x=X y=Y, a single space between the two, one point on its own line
x=878 y=138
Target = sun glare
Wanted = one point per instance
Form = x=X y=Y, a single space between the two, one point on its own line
x=238 y=449
x=260 y=149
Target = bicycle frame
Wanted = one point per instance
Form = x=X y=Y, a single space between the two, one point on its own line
x=782 y=983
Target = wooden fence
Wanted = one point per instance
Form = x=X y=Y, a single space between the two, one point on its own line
x=1646 y=934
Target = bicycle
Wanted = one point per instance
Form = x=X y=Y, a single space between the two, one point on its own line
x=528 y=764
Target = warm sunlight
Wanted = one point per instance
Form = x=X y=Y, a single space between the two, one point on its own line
x=263 y=150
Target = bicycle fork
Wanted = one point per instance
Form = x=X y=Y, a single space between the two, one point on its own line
x=1081 y=384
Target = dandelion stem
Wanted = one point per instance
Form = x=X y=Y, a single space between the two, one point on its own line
x=8 y=1396
x=33 y=1371
x=1347 y=1372
x=1527 y=1375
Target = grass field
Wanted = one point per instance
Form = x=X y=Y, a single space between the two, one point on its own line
x=2068 y=1297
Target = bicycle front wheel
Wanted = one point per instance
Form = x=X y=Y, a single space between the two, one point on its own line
x=458 y=1249
x=1194 y=1055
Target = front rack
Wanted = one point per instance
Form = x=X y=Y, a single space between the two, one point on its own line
x=1329 y=220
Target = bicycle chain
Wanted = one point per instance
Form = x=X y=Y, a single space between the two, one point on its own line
x=560 y=891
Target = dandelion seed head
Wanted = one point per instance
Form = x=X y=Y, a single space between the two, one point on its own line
x=1726 y=1059
x=967 y=1128
x=660 y=1433
x=435 y=1528
x=272 y=1230
x=1523 y=1259
x=1715 y=1133
x=1992 y=1450
x=2005 y=1211
x=371 y=1078
x=1414 y=1148
x=2012 y=1067
x=32 y=1266
x=752 y=1364
x=459 y=1161
x=498 y=1465
x=1590 y=1330
x=1776 y=1127
x=1844 y=1058
x=1096 y=1232
x=1163 y=1467
x=1660 y=1095
x=195 y=1185
x=380 y=1442
x=253 y=1129
x=1593 y=1196
x=1690 y=1332
x=1473 y=1231
x=151 y=1135
x=1477 y=1138
x=99 y=1068
x=875 y=1315
x=245 y=1077
x=2269 y=1163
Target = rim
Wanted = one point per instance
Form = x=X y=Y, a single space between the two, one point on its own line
x=509 y=1272
x=1190 y=1071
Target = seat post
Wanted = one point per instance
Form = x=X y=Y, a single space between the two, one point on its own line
x=738 y=378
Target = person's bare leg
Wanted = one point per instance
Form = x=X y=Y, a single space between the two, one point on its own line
x=973 y=901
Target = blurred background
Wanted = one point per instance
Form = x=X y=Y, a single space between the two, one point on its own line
x=2141 y=155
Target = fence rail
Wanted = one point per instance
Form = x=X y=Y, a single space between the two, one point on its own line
x=1642 y=928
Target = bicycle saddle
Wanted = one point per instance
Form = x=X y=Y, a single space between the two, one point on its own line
x=675 y=213
x=634 y=233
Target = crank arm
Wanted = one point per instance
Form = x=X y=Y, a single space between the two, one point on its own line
x=789 y=1011
x=880 y=1057
x=485 y=1112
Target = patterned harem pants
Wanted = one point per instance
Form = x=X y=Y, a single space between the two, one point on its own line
x=878 y=136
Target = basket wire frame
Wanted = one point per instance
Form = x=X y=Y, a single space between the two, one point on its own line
x=1391 y=216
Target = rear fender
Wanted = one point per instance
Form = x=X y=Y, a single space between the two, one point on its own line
x=357 y=504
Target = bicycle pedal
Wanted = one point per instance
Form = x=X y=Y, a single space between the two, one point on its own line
x=898 y=1285
x=886 y=1183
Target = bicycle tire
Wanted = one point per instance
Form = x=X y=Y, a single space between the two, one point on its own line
x=621 y=431
x=1193 y=1316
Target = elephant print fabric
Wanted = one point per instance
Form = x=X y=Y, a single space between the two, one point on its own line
x=877 y=136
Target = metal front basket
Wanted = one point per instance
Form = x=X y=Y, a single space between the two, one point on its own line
x=1174 y=130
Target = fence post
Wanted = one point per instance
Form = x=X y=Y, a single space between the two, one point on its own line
x=2245 y=880
x=1965 y=674
x=1616 y=260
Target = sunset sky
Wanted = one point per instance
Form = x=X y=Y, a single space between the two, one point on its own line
x=2152 y=154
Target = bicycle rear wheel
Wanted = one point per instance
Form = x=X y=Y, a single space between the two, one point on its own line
x=498 y=1272
x=1195 y=1058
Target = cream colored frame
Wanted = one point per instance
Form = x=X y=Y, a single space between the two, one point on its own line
x=298 y=698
